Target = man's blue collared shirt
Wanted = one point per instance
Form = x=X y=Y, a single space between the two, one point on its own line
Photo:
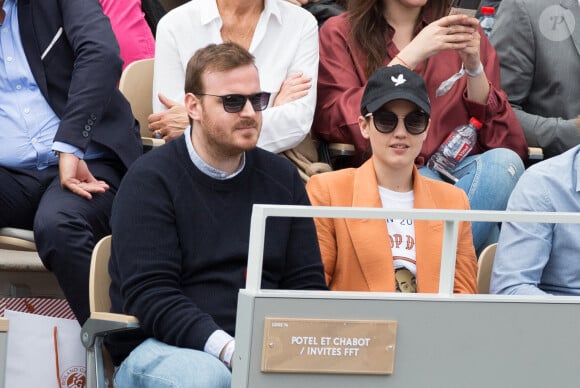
x=28 y=124
x=536 y=257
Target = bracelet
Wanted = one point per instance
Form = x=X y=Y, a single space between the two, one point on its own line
x=476 y=72
x=403 y=62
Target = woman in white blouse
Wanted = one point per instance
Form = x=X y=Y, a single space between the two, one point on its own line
x=282 y=37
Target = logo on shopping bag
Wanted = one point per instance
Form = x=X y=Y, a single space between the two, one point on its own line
x=75 y=377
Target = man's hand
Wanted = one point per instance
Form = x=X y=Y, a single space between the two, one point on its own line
x=76 y=177
x=170 y=123
x=294 y=87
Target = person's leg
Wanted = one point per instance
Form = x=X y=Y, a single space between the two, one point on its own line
x=20 y=193
x=154 y=364
x=488 y=179
x=66 y=228
x=427 y=172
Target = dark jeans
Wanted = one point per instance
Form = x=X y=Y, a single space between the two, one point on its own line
x=66 y=226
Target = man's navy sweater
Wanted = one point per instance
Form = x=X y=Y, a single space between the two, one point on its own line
x=180 y=244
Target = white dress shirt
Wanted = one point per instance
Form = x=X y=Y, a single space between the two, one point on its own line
x=285 y=42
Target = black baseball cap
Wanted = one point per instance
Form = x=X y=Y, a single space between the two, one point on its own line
x=394 y=83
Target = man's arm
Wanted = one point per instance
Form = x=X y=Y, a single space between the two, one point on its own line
x=514 y=42
x=523 y=248
x=147 y=261
x=303 y=269
x=95 y=74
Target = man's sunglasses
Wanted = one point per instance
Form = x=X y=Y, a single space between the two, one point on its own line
x=386 y=121
x=234 y=103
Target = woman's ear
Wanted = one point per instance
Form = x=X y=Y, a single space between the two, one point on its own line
x=427 y=130
x=364 y=126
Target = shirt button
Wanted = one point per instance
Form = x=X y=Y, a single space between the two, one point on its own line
x=9 y=59
x=18 y=87
x=27 y=110
x=90 y=122
x=85 y=134
x=93 y=117
x=34 y=140
x=87 y=128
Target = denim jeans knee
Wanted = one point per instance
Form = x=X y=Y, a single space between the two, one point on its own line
x=488 y=179
x=154 y=364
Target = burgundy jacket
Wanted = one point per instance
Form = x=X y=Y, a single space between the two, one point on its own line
x=341 y=82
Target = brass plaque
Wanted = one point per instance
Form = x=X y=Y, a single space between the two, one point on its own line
x=328 y=346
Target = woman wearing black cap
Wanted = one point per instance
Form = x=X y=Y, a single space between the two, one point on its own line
x=419 y=35
x=396 y=254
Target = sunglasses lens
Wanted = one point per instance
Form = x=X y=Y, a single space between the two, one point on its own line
x=260 y=101
x=234 y=103
x=416 y=122
x=385 y=121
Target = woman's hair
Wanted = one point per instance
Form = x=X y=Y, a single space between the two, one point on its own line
x=368 y=27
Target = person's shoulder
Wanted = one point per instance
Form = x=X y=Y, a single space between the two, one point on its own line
x=262 y=159
x=338 y=22
x=163 y=160
x=337 y=177
x=292 y=14
x=334 y=188
x=286 y=8
x=179 y=14
x=530 y=6
x=272 y=170
x=333 y=182
x=555 y=167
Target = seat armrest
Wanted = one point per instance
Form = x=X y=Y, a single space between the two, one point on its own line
x=340 y=149
x=102 y=324
x=17 y=239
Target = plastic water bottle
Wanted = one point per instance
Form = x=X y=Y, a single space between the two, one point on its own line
x=454 y=148
x=487 y=19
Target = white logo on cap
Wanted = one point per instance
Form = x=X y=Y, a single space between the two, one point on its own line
x=399 y=80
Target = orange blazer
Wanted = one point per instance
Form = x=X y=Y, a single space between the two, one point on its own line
x=357 y=253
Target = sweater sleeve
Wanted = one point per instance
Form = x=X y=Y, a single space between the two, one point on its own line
x=304 y=268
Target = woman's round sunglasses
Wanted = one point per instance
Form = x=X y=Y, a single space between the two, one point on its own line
x=386 y=121
x=234 y=103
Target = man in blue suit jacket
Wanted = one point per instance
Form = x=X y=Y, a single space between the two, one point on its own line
x=67 y=135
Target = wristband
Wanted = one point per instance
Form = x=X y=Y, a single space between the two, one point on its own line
x=403 y=62
x=474 y=73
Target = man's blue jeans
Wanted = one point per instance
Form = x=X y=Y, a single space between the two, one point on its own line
x=488 y=179
x=154 y=364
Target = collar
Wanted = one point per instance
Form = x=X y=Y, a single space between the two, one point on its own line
x=208 y=170
x=210 y=12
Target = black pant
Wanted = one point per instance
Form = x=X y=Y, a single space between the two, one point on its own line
x=66 y=226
